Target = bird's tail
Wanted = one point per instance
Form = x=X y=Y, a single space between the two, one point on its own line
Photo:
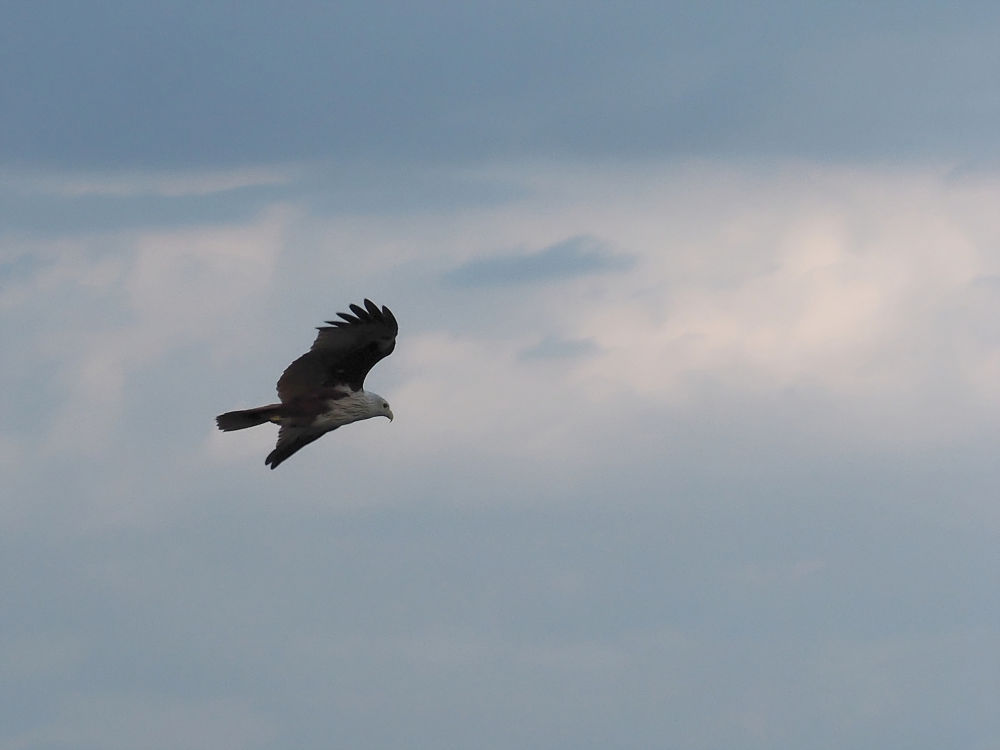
x=240 y=420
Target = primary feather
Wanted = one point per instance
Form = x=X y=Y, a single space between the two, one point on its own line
x=343 y=353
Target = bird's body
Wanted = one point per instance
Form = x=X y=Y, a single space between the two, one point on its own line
x=323 y=389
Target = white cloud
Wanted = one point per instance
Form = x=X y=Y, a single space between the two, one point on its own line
x=187 y=285
x=837 y=279
x=853 y=288
x=859 y=287
x=168 y=291
x=780 y=408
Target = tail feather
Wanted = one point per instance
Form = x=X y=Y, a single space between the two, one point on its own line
x=240 y=420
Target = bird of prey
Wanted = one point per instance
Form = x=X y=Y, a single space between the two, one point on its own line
x=323 y=389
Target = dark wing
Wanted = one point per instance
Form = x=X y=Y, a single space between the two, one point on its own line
x=290 y=440
x=343 y=353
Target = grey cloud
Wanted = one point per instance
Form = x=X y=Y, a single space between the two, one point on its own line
x=553 y=347
x=38 y=207
x=115 y=83
x=512 y=619
x=576 y=256
x=338 y=189
x=745 y=563
x=55 y=214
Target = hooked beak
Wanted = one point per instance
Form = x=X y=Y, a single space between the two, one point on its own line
x=390 y=415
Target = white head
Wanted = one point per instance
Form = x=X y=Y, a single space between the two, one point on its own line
x=377 y=406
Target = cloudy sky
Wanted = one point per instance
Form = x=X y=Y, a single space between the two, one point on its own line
x=697 y=390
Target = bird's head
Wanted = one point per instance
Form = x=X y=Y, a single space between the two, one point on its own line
x=379 y=407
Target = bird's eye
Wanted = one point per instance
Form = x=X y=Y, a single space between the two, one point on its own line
x=385 y=405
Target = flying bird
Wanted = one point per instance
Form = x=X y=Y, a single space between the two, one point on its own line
x=324 y=388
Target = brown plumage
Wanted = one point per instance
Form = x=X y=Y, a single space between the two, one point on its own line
x=323 y=389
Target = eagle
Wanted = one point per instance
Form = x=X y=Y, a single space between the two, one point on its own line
x=324 y=388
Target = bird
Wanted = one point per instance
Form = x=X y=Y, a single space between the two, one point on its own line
x=324 y=388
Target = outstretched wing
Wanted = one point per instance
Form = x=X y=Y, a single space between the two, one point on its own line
x=290 y=440
x=343 y=353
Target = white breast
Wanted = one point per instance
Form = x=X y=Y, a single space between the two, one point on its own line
x=341 y=411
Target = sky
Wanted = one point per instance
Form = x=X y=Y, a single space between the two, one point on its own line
x=696 y=390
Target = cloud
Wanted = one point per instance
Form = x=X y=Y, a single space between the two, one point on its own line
x=838 y=301
x=552 y=347
x=748 y=457
x=152 y=297
x=132 y=183
x=118 y=722
x=465 y=84
x=576 y=256
x=44 y=203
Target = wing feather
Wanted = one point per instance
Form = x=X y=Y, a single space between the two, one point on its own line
x=343 y=353
x=291 y=440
